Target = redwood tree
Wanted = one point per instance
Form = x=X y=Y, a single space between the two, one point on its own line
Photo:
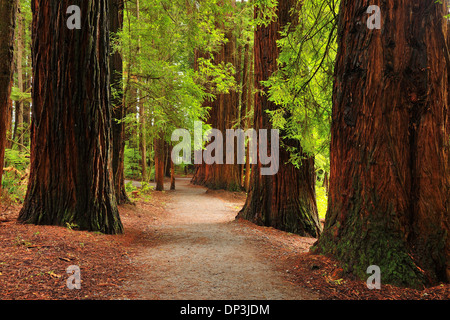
x=118 y=107
x=71 y=180
x=8 y=9
x=286 y=200
x=159 y=160
x=19 y=53
x=389 y=179
x=224 y=113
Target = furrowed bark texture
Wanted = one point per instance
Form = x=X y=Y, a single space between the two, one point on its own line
x=71 y=178
x=159 y=161
x=18 y=126
x=389 y=179
x=200 y=169
x=286 y=200
x=246 y=107
x=8 y=9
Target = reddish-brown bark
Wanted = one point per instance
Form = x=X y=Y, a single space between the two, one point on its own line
x=159 y=162
x=389 y=179
x=71 y=180
x=287 y=199
x=18 y=52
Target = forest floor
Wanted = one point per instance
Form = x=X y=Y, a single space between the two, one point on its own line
x=197 y=250
x=181 y=244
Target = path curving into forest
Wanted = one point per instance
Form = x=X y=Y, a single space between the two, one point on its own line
x=203 y=253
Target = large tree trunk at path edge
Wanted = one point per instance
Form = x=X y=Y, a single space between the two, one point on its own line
x=118 y=107
x=8 y=9
x=70 y=176
x=389 y=179
x=286 y=200
x=159 y=161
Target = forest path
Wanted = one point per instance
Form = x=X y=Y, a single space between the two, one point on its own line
x=202 y=253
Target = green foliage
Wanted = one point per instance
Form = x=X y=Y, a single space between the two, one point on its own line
x=17 y=159
x=143 y=192
x=266 y=11
x=19 y=96
x=302 y=86
x=14 y=187
x=14 y=181
x=158 y=44
x=131 y=163
x=129 y=187
x=216 y=78
x=71 y=226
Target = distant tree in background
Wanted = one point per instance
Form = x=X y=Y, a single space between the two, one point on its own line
x=118 y=105
x=8 y=9
x=286 y=200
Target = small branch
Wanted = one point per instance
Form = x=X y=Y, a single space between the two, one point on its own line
x=19 y=144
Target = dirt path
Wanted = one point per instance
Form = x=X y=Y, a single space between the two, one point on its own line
x=202 y=252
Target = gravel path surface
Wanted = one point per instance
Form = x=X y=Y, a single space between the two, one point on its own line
x=202 y=252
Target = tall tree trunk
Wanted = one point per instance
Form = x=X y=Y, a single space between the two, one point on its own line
x=389 y=179
x=27 y=106
x=151 y=162
x=71 y=180
x=246 y=107
x=286 y=200
x=167 y=159
x=8 y=9
x=172 y=171
x=118 y=107
x=227 y=176
x=159 y=162
x=142 y=140
x=142 y=131
x=223 y=115
x=18 y=126
x=199 y=175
